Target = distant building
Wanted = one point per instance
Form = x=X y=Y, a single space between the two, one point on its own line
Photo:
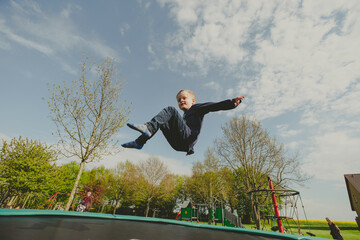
x=353 y=187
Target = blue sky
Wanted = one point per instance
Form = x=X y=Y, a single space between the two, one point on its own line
x=297 y=63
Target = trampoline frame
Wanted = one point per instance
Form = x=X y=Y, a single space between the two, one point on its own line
x=8 y=213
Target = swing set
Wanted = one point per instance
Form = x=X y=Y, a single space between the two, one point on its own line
x=280 y=206
x=52 y=200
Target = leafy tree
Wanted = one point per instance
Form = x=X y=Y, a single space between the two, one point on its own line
x=167 y=199
x=122 y=184
x=208 y=183
x=88 y=114
x=67 y=174
x=230 y=188
x=243 y=200
x=245 y=146
x=151 y=182
x=181 y=193
x=27 y=166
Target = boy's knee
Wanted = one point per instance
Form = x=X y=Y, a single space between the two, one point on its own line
x=170 y=109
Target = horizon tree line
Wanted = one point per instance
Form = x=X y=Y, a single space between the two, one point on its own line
x=29 y=176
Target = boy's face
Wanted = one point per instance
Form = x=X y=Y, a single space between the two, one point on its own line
x=185 y=101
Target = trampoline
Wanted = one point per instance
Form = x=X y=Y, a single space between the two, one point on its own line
x=20 y=224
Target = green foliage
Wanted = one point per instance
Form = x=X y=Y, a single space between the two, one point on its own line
x=67 y=175
x=27 y=166
x=121 y=185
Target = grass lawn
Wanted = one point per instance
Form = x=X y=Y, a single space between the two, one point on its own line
x=349 y=230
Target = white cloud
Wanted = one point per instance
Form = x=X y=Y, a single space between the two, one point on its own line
x=21 y=40
x=208 y=31
x=145 y=5
x=309 y=118
x=295 y=145
x=124 y=28
x=304 y=64
x=135 y=156
x=348 y=104
x=213 y=85
x=150 y=49
x=183 y=11
x=333 y=155
x=284 y=131
x=50 y=34
x=128 y=49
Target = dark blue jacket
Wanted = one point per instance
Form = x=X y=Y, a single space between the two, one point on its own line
x=195 y=115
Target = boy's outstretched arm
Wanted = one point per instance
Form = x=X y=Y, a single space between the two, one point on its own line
x=238 y=100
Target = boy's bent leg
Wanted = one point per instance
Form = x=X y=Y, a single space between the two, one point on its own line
x=150 y=128
x=178 y=139
x=171 y=124
x=138 y=143
x=141 y=128
x=132 y=144
x=174 y=128
x=163 y=119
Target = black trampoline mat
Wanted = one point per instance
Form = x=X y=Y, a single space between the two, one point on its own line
x=66 y=228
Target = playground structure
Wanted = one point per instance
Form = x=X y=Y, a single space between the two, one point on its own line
x=201 y=213
x=280 y=206
x=57 y=206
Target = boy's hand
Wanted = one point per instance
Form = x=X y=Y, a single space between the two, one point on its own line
x=238 y=100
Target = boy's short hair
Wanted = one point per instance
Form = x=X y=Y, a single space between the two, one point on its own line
x=187 y=91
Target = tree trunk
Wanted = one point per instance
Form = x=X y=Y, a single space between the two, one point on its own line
x=76 y=184
x=4 y=199
x=257 y=216
x=212 y=206
x=13 y=201
x=116 y=205
x=147 y=208
x=26 y=200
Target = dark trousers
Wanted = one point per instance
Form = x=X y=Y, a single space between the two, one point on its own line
x=173 y=126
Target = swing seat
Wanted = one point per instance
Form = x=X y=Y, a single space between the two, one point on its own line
x=280 y=217
x=284 y=217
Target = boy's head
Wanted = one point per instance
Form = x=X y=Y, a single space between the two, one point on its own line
x=185 y=99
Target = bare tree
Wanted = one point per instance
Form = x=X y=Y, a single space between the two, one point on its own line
x=88 y=114
x=122 y=184
x=208 y=183
x=247 y=148
x=153 y=173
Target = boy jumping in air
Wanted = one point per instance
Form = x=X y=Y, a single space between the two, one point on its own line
x=180 y=132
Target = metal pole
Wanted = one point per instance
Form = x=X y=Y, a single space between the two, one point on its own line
x=276 y=208
x=222 y=214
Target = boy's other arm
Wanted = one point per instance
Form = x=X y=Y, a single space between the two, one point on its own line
x=223 y=105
